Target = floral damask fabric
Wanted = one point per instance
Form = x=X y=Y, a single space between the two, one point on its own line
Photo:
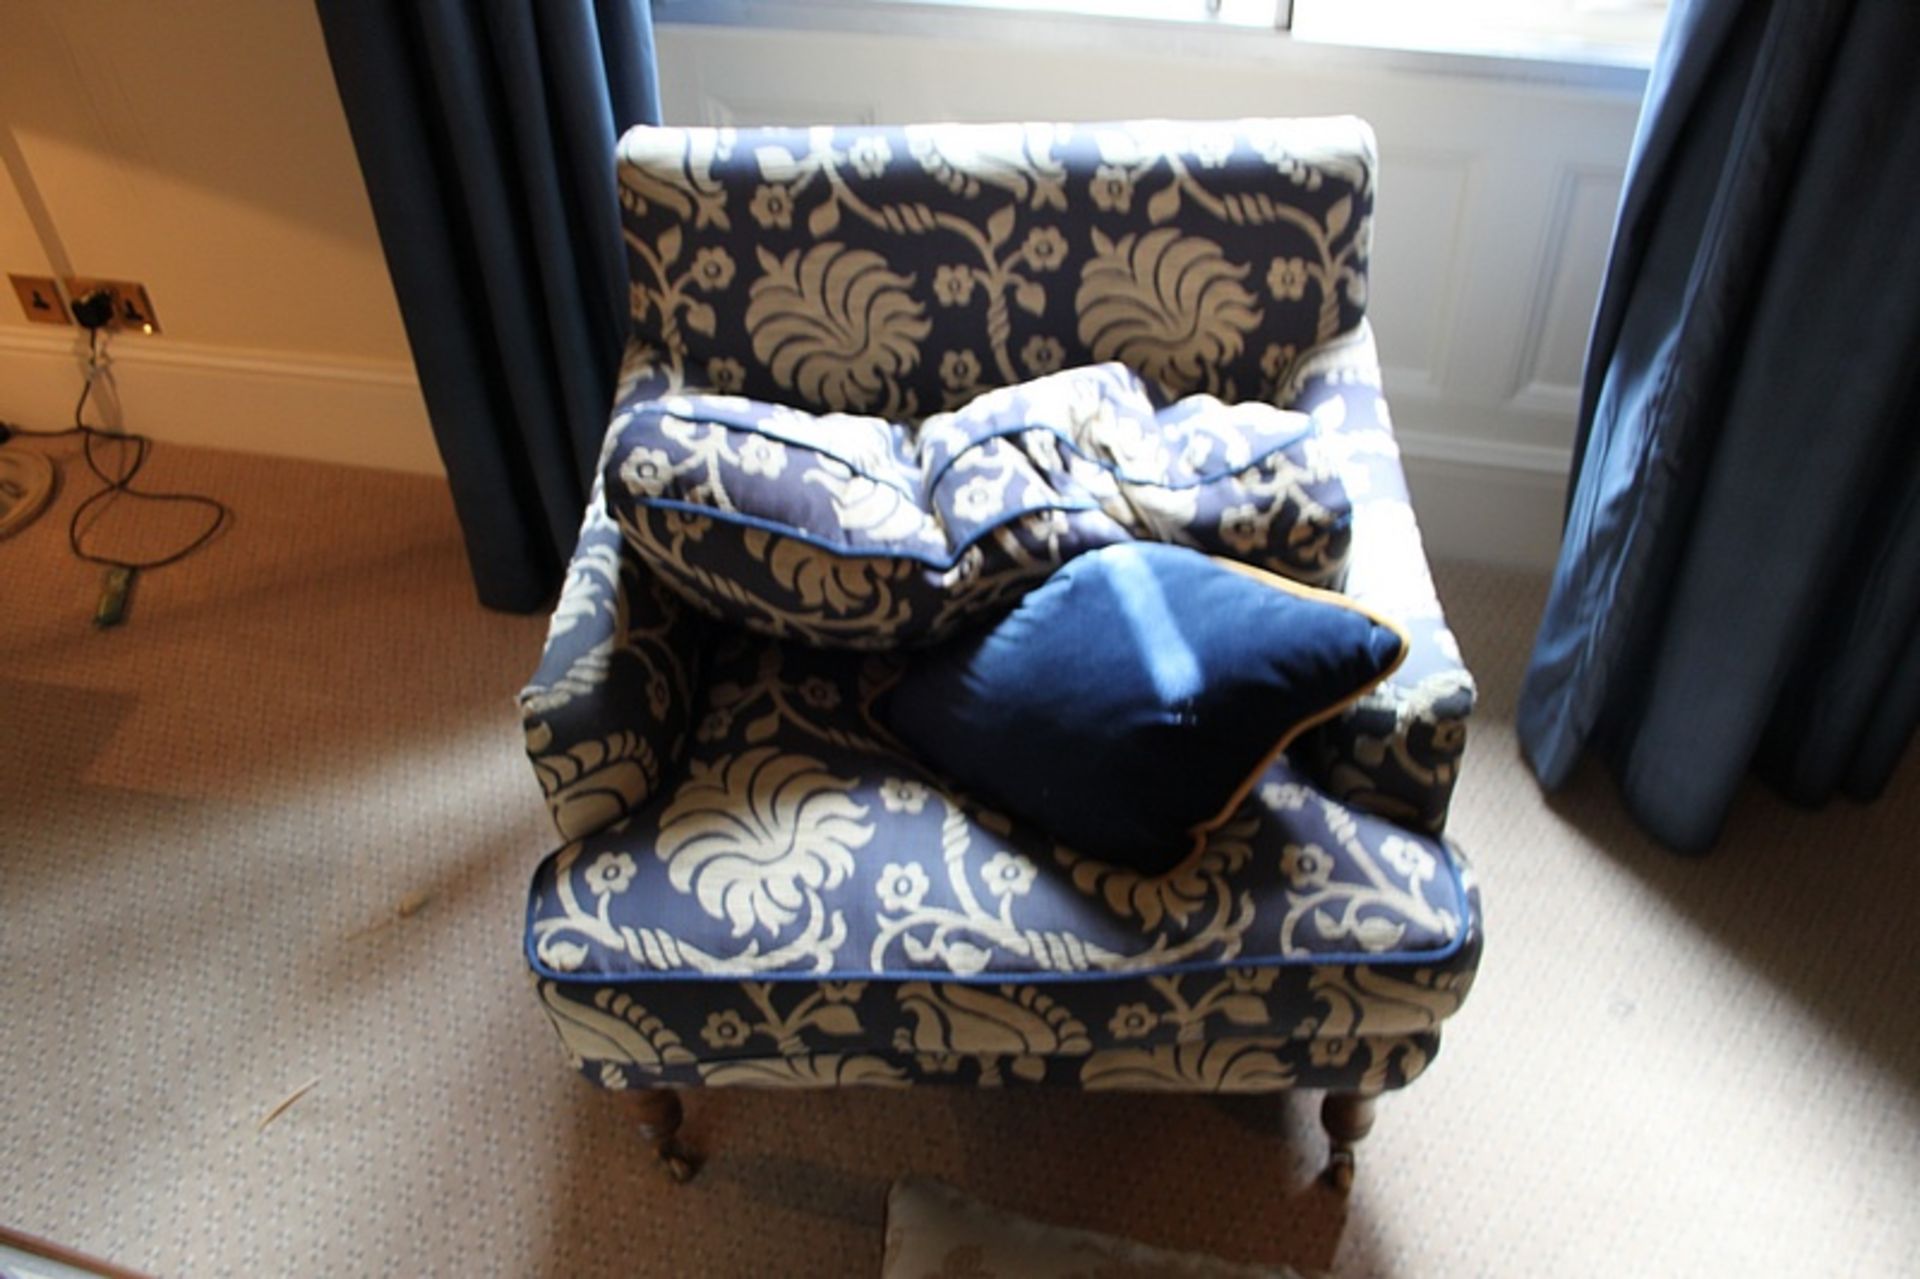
x=858 y=532
x=1397 y=751
x=613 y=1037
x=807 y=889
x=606 y=715
x=758 y=887
x=902 y=271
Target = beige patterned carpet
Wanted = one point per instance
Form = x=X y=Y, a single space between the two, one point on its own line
x=208 y=818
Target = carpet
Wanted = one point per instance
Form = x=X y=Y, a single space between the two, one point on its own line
x=935 y=1232
x=277 y=829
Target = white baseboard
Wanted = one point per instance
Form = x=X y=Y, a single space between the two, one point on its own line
x=323 y=408
x=1487 y=501
x=1477 y=500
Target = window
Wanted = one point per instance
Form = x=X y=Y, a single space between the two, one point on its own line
x=1236 y=13
x=1617 y=32
x=1607 y=30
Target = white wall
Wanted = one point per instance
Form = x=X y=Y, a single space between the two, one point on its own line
x=198 y=146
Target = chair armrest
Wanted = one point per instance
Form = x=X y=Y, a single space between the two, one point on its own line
x=1396 y=752
x=607 y=713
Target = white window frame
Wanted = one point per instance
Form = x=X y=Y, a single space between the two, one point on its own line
x=1251 y=14
x=1230 y=34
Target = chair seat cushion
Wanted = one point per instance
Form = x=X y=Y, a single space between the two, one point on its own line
x=857 y=532
x=808 y=900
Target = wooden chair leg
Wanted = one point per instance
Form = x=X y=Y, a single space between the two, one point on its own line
x=1347 y=1117
x=659 y=1115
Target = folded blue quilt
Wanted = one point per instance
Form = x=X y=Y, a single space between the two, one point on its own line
x=856 y=532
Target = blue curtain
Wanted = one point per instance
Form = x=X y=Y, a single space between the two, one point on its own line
x=1739 y=586
x=486 y=132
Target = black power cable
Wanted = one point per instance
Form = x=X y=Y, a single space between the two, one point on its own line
x=121 y=482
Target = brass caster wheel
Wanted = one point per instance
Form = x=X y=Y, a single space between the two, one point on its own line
x=659 y=1113
x=678 y=1166
x=1347 y=1117
x=1339 y=1172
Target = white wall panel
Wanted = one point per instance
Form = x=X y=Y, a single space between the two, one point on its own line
x=1421 y=217
x=1495 y=206
x=1578 y=232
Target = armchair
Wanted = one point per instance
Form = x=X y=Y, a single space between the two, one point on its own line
x=755 y=888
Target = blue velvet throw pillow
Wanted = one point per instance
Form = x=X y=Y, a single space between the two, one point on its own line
x=1129 y=704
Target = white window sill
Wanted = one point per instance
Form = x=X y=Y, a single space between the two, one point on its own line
x=1611 y=68
x=1625 y=39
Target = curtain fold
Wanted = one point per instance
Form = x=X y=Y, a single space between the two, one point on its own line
x=1739 y=582
x=486 y=134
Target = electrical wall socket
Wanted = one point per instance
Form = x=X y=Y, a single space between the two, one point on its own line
x=40 y=299
x=132 y=308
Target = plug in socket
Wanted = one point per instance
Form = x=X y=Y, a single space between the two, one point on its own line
x=132 y=308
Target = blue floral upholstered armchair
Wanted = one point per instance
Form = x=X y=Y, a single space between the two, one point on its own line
x=881 y=383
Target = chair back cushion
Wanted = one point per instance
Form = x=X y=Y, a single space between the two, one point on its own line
x=902 y=271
